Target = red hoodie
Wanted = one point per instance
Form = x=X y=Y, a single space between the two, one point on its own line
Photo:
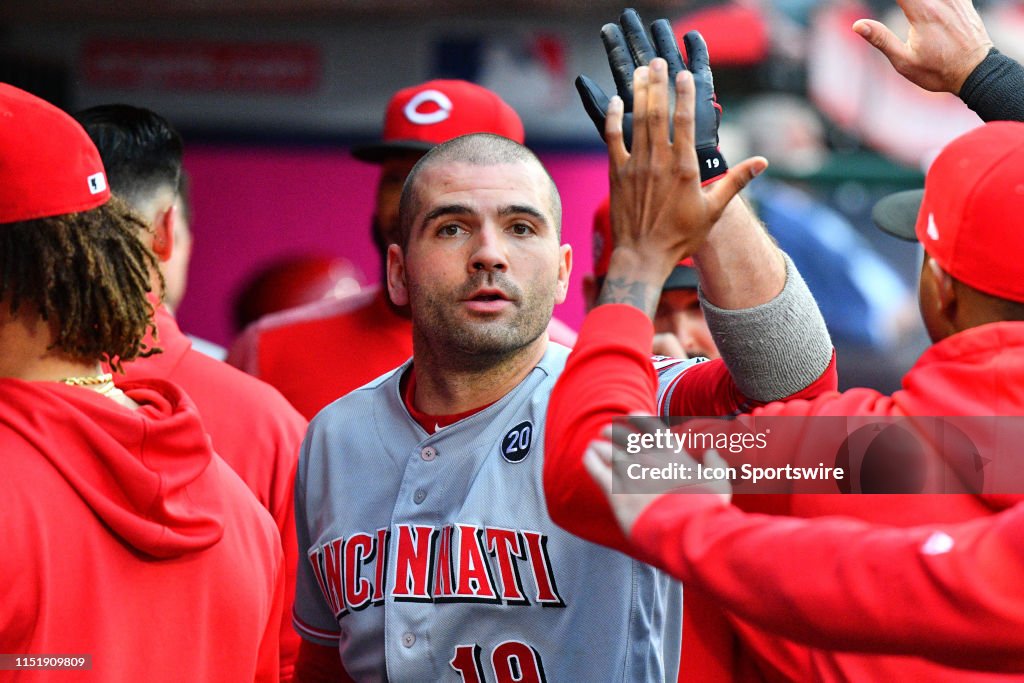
x=126 y=538
x=253 y=428
x=959 y=604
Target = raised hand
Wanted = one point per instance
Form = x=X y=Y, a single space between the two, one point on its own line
x=660 y=214
x=946 y=41
x=628 y=47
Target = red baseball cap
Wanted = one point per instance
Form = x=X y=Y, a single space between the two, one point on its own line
x=48 y=164
x=428 y=114
x=294 y=281
x=968 y=216
x=736 y=33
x=683 y=276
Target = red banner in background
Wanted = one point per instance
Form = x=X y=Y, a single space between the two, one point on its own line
x=191 y=65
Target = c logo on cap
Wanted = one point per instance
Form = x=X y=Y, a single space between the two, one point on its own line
x=444 y=108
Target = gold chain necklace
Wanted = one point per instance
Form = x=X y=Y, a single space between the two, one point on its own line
x=87 y=381
x=102 y=383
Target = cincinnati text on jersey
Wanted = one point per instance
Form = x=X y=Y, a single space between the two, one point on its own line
x=453 y=563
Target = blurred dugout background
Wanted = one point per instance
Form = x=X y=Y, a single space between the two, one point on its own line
x=270 y=93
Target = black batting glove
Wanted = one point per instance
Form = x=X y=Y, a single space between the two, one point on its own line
x=628 y=47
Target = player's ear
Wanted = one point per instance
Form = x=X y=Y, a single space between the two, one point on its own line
x=163 y=233
x=564 y=269
x=397 y=286
x=945 y=292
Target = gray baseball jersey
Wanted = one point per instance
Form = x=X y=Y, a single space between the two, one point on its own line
x=433 y=558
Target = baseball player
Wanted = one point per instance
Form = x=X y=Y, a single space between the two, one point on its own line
x=316 y=353
x=970 y=305
x=253 y=428
x=131 y=551
x=430 y=553
x=948 y=587
x=175 y=268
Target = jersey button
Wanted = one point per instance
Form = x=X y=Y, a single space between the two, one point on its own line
x=419 y=496
x=408 y=640
x=428 y=453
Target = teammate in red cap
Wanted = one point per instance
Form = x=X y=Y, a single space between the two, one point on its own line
x=253 y=428
x=948 y=591
x=680 y=329
x=295 y=281
x=317 y=353
x=129 y=548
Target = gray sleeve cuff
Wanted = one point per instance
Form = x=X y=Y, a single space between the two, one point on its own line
x=777 y=348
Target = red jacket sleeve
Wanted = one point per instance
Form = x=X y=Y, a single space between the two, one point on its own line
x=611 y=343
x=615 y=341
x=952 y=594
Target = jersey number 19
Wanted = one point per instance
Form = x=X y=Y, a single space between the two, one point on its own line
x=511 y=662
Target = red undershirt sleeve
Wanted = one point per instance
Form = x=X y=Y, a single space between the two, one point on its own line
x=707 y=389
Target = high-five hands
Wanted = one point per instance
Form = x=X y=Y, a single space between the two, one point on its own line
x=629 y=47
x=660 y=214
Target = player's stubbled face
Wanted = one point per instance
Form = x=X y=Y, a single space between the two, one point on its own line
x=679 y=314
x=483 y=264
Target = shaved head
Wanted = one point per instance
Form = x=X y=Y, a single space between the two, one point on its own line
x=477 y=149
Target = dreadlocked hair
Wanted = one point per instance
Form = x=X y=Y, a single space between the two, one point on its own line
x=88 y=275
